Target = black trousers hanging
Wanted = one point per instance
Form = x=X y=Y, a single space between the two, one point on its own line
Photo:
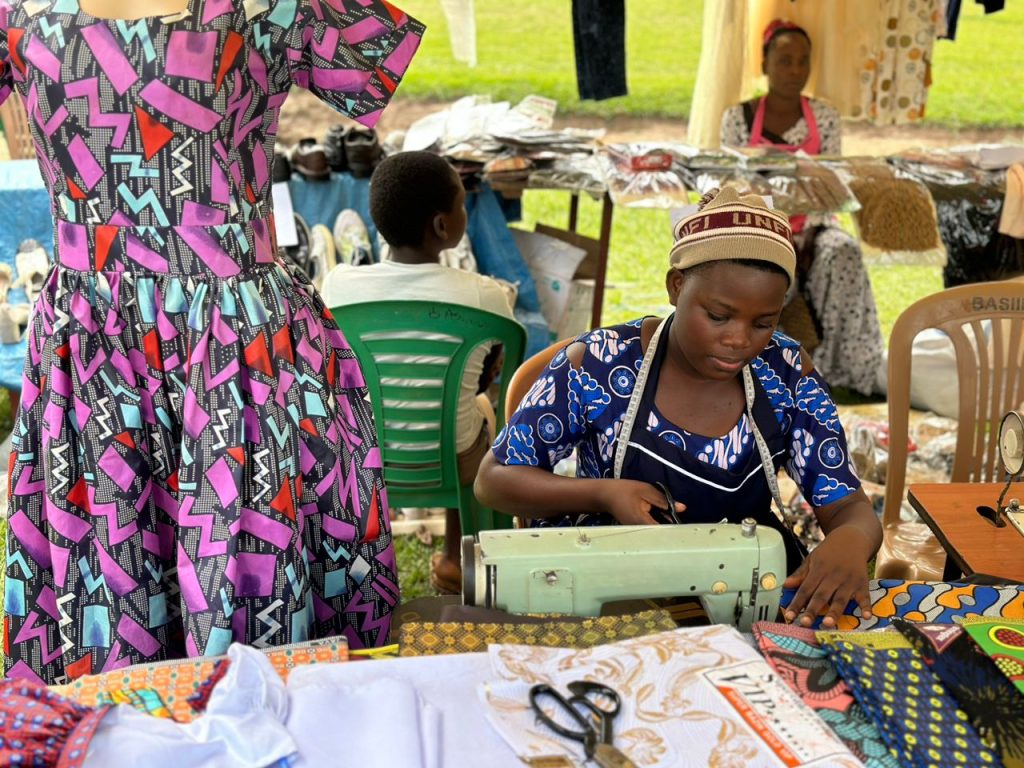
x=599 y=39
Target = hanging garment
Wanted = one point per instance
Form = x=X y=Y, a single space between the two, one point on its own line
x=1011 y=219
x=801 y=663
x=896 y=74
x=952 y=17
x=913 y=711
x=461 y=29
x=599 y=41
x=995 y=706
x=41 y=728
x=194 y=459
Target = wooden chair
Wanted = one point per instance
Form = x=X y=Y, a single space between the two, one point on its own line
x=15 y=122
x=989 y=358
x=413 y=354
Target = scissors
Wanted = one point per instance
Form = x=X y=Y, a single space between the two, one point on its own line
x=671 y=502
x=594 y=721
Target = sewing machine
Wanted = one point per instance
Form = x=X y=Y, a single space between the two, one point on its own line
x=736 y=570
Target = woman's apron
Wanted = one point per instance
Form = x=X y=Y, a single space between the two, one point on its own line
x=710 y=494
x=811 y=145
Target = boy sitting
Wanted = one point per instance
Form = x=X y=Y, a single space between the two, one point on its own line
x=416 y=201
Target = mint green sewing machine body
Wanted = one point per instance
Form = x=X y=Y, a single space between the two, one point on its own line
x=735 y=570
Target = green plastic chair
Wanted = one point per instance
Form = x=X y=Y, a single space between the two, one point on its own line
x=413 y=354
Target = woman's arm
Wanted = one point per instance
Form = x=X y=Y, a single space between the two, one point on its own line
x=836 y=571
x=536 y=493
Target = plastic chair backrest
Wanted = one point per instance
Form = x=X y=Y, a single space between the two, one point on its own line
x=413 y=355
x=527 y=373
x=989 y=358
x=15 y=122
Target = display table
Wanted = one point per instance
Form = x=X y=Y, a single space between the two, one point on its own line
x=972 y=543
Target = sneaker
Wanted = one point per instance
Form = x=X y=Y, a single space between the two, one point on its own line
x=32 y=264
x=362 y=150
x=297 y=255
x=334 y=145
x=5 y=281
x=461 y=256
x=321 y=255
x=310 y=159
x=282 y=168
x=352 y=239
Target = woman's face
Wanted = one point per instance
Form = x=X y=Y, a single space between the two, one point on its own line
x=725 y=315
x=788 y=64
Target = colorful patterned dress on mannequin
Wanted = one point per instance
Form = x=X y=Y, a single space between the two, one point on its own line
x=194 y=459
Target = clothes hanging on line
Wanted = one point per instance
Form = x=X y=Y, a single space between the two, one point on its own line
x=461 y=30
x=599 y=40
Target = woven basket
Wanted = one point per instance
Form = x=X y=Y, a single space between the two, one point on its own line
x=15 y=123
x=798 y=323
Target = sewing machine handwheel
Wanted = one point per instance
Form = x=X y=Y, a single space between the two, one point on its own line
x=1011 y=442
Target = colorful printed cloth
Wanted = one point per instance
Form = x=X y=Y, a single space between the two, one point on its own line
x=934 y=602
x=911 y=708
x=569 y=408
x=994 y=705
x=194 y=461
x=177 y=682
x=41 y=728
x=798 y=660
x=428 y=638
x=144 y=700
x=1003 y=641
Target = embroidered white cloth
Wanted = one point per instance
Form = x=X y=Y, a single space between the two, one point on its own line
x=693 y=696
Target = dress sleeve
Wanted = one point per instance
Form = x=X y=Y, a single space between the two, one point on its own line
x=352 y=55
x=819 y=459
x=552 y=419
x=733 y=132
x=6 y=75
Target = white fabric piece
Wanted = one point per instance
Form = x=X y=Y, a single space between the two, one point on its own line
x=448 y=684
x=461 y=29
x=694 y=696
x=243 y=726
x=391 y=281
x=386 y=724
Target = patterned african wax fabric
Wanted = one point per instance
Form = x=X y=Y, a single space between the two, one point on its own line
x=916 y=715
x=995 y=706
x=194 y=461
x=803 y=665
x=1003 y=641
x=569 y=408
x=41 y=728
x=935 y=602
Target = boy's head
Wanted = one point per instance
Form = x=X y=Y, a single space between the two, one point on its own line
x=416 y=201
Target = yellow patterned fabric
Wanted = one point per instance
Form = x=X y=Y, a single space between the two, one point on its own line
x=173 y=682
x=436 y=638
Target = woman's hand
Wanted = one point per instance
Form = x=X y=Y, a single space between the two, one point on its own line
x=630 y=501
x=833 y=574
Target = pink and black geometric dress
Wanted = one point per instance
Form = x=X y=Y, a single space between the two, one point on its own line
x=194 y=459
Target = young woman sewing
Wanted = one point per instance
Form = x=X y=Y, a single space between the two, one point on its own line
x=701 y=402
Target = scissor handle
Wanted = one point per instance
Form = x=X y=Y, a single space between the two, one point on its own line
x=582 y=687
x=587 y=734
x=670 y=501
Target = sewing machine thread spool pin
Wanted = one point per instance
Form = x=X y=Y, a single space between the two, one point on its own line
x=748 y=528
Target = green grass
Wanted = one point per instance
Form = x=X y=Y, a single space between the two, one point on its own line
x=525 y=46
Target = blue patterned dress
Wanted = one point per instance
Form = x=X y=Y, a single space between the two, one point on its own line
x=569 y=408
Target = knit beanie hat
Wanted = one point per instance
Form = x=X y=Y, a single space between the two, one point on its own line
x=731 y=226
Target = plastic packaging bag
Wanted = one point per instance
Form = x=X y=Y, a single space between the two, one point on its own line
x=644 y=174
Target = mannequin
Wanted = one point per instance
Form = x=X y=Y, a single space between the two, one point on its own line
x=195 y=461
